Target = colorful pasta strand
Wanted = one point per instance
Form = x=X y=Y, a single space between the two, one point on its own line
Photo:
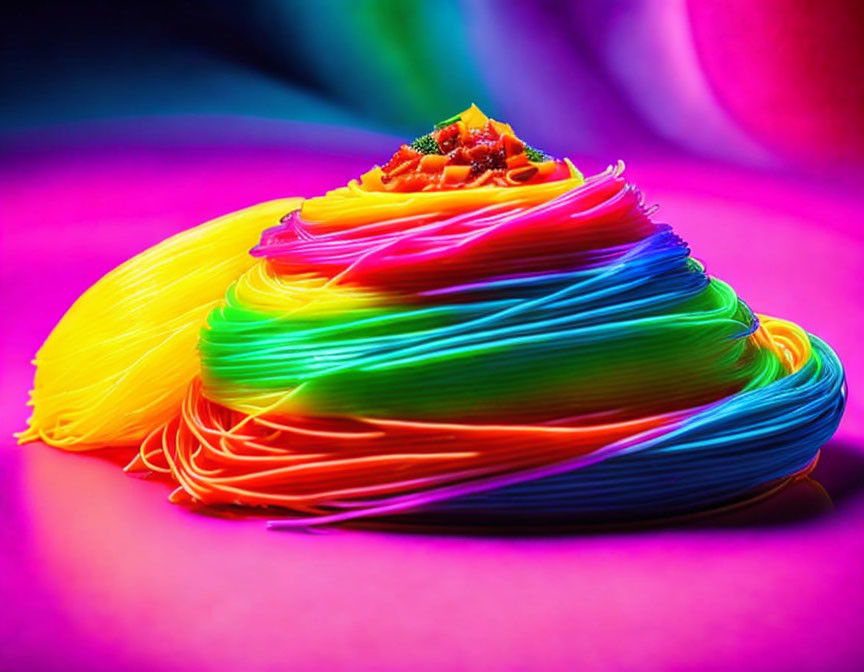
x=466 y=333
x=117 y=363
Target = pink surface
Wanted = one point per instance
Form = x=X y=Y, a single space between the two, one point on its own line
x=786 y=71
x=98 y=571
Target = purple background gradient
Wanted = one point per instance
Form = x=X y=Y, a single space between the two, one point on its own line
x=98 y=571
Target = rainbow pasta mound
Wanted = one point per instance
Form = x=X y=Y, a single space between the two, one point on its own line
x=472 y=331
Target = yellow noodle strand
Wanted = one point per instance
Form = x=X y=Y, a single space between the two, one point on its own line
x=117 y=364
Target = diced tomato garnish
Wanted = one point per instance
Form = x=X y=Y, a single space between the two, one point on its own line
x=404 y=153
x=491 y=132
x=410 y=182
x=459 y=157
x=404 y=167
x=518 y=161
x=471 y=155
x=456 y=174
x=512 y=146
x=448 y=138
x=433 y=163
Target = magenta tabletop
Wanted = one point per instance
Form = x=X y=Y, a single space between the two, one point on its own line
x=98 y=571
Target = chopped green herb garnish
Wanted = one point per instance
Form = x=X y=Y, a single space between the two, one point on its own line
x=426 y=144
x=447 y=122
x=536 y=155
